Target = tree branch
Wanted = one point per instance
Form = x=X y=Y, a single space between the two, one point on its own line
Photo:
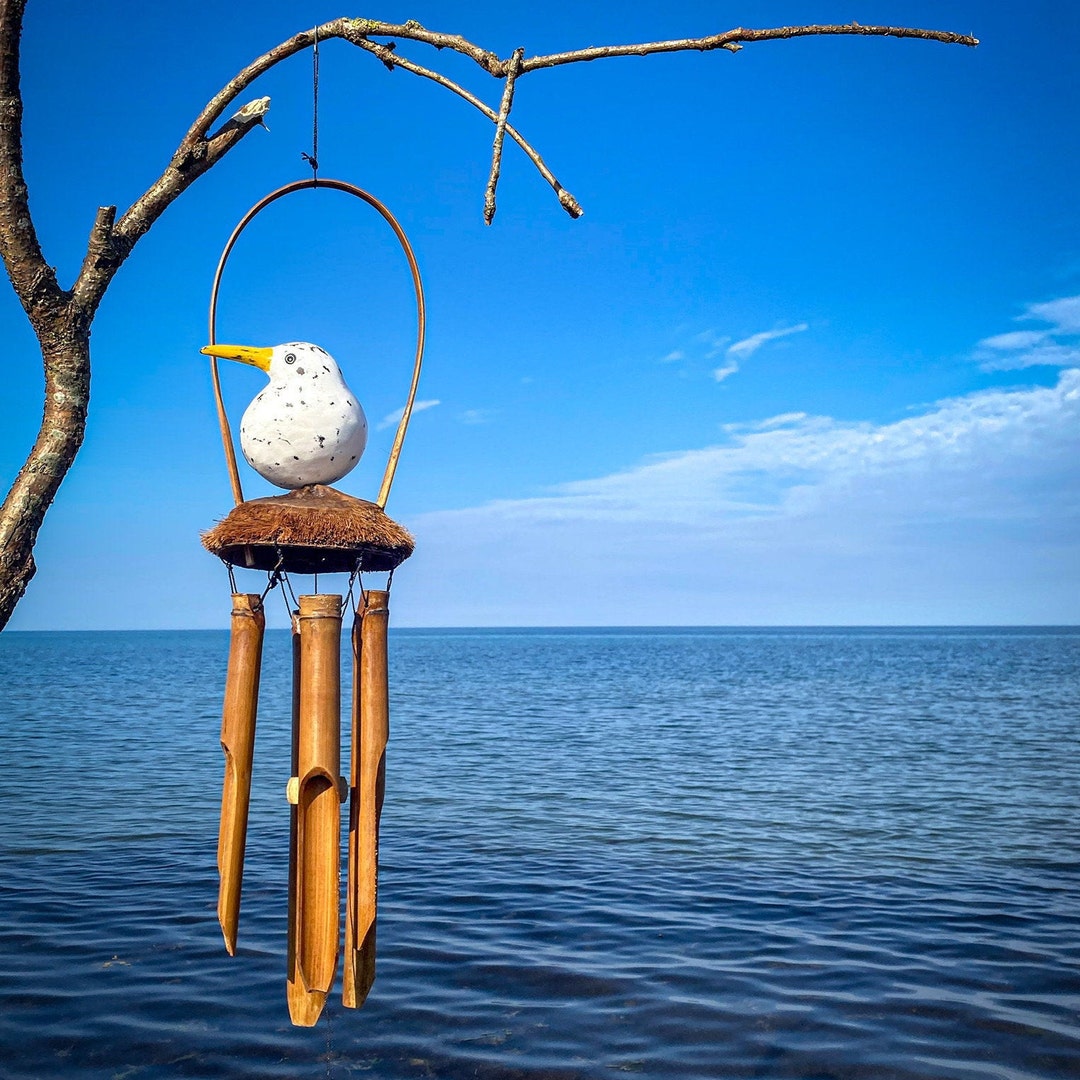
x=359 y=32
x=65 y=349
x=413 y=31
x=109 y=245
x=197 y=153
x=33 y=279
x=733 y=41
x=392 y=59
x=500 y=133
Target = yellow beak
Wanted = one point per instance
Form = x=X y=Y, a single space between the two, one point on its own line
x=246 y=354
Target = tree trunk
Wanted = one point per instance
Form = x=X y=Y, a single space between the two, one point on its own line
x=65 y=350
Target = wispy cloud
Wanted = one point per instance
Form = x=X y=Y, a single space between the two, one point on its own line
x=707 y=345
x=1056 y=346
x=1040 y=356
x=748 y=346
x=964 y=439
x=968 y=511
x=476 y=416
x=1063 y=314
x=713 y=342
x=390 y=419
x=1014 y=339
x=788 y=419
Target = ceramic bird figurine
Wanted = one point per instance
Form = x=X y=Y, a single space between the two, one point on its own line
x=307 y=426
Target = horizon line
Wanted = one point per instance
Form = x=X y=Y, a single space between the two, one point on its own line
x=527 y=627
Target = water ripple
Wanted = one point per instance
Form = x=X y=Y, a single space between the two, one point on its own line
x=797 y=856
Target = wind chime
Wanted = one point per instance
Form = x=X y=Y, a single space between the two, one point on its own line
x=303 y=432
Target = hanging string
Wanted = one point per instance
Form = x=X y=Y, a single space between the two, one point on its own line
x=288 y=586
x=350 y=604
x=313 y=158
x=272 y=582
x=289 y=610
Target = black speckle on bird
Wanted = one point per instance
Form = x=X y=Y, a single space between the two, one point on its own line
x=353 y=458
x=322 y=441
x=299 y=371
x=295 y=458
x=324 y=367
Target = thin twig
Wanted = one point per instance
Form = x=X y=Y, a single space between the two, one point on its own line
x=412 y=30
x=733 y=40
x=391 y=59
x=500 y=133
x=197 y=151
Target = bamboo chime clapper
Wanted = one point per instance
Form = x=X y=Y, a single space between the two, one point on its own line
x=313 y=529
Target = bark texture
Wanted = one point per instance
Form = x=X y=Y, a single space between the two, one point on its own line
x=61 y=318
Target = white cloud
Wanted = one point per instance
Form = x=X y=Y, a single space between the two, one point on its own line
x=1036 y=348
x=1063 y=314
x=714 y=343
x=708 y=345
x=798 y=454
x=1041 y=356
x=476 y=416
x=1015 y=339
x=390 y=419
x=748 y=346
x=781 y=420
x=966 y=512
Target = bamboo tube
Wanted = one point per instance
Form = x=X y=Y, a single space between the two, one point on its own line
x=238 y=743
x=304 y=1008
x=370 y=731
x=316 y=877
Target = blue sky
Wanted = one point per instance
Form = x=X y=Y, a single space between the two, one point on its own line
x=811 y=356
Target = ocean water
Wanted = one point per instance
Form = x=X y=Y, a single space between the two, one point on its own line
x=813 y=854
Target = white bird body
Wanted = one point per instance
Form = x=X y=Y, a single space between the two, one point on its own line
x=307 y=426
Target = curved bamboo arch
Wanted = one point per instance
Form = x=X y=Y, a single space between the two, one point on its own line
x=421 y=324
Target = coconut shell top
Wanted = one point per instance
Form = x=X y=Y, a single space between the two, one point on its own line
x=312 y=530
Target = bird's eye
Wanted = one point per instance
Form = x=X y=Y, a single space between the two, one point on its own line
x=290 y=358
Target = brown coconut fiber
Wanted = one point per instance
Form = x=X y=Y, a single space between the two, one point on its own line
x=312 y=530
